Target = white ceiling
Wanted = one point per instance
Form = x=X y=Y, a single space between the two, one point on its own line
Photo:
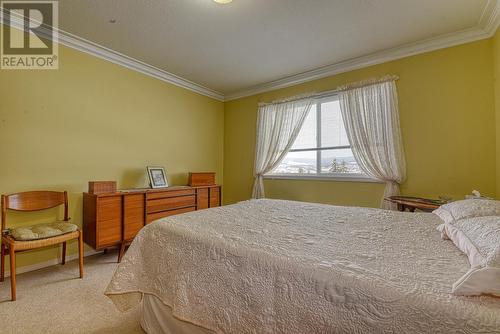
x=231 y=48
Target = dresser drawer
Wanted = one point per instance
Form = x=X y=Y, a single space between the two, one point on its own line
x=133 y=215
x=170 y=193
x=154 y=216
x=162 y=204
x=109 y=220
x=109 y=208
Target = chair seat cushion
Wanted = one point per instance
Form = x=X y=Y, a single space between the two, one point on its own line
x=42 y=231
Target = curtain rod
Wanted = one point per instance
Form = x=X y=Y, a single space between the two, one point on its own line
x=335 y=91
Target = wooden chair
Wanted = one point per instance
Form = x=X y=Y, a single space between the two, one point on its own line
x=34 y=201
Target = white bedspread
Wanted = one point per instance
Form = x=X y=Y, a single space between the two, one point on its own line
x=271 y=266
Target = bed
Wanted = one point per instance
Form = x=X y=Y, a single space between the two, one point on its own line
x=274 y=266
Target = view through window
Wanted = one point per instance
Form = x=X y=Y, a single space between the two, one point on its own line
x=322 y=147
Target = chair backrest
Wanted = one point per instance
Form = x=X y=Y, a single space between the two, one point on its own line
x=33 y=201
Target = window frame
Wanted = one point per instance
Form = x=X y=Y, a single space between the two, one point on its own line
x=351 y=177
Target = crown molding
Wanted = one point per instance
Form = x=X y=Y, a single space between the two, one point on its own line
x=115 y=57
x=94 y=49
x=486 y=28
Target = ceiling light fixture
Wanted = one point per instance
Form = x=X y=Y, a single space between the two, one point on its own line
x=223 y=2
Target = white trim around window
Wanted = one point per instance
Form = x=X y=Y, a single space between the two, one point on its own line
x=323 y=177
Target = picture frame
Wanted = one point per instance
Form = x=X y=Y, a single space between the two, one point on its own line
x=157 y=177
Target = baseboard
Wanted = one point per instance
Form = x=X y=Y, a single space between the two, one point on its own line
x=49 y=263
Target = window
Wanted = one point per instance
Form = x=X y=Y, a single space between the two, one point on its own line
x=322 y=147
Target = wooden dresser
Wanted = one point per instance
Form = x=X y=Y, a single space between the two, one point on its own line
x=114 y=219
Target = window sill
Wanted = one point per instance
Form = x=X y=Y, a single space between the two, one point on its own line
x=308 y=177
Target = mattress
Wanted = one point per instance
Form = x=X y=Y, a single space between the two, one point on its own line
x=273 y=266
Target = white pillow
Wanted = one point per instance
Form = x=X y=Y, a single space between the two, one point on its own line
x=468 y=208
x=479 y=239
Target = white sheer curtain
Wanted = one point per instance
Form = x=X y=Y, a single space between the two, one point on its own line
x=371 y=118
x=278 y=125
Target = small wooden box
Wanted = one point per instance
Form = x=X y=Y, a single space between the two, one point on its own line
x=99 y=187
x=201 y=179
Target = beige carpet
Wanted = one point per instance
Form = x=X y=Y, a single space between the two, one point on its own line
x=54 y=300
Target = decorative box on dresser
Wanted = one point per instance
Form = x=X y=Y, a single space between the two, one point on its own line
x=114 y=219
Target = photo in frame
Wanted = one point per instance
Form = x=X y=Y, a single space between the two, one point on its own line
x=157 y=177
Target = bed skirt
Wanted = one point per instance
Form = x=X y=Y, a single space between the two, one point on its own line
x=157 y=318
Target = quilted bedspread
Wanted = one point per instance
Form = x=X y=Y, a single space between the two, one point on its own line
x=273 y=266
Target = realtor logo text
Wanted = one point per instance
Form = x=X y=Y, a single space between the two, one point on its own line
x=29 y=35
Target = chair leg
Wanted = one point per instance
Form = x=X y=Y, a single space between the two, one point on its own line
x=63 y=253
x=12 y=254
x=2 y=269
x=80 y=253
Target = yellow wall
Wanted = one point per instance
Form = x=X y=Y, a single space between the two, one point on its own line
x=496 y=59
x=93 y=120
x=447 y=120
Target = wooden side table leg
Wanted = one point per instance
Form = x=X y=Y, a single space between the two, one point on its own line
x=401 y=207
x=122 y=251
